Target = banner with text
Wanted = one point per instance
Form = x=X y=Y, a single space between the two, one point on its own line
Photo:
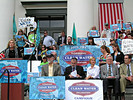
x=126 y=26
x=54 y=52
x=47 y=87
x=26 y=22
x=82 y=53
x=127 y=46
x=31 y=74
x=84 y=89
x=82 y=41
x=93 y=33
x=17 y=71
x=115 y=27
x=102 y=41
x=29 y=51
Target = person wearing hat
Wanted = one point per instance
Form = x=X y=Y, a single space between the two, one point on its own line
x=51 y=69
x=44 y=59
x=106 y=33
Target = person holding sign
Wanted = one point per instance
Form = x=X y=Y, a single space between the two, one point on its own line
x=126 y=73
x=106 y=33
x=20 y=41
x=74 y=71
x=110 y=76
x=93 y=70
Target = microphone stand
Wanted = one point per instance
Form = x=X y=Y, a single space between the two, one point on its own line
x=8 y=82
x=30 y=58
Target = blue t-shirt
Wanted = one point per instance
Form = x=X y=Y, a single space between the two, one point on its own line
x=20 y=41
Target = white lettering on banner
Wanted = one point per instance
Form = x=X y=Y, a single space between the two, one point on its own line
x=127 y=46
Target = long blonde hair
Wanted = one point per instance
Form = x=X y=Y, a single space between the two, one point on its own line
x=13 y=42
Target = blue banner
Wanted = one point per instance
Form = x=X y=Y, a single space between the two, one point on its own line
x=114 y=27
x=82 y=53
x=28 y=51
x=53 y=51
x=31 y=74
x=17 y=71
x=119 y=42
x=93 y=33
x=82 y=41
x=132 y=25
x=126 y=26
x=47 y=87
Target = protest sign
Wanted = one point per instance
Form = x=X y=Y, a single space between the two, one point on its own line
x=93 y=33
x=29 y=51
x=47 y=87
x=84 y=89
x=26 y=22
x=82 y=41
x=126 y=26
x=17 y=71
x=127 y=46
x=115 y=27
x=102 y=41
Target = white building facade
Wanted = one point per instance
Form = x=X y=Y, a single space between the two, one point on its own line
x=54 y=16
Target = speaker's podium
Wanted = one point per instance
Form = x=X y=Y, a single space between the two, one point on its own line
x=16 y=90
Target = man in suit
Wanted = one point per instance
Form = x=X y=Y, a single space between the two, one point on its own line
x=51 y=69
x=126 y=73
x=62 y=39
x=74 y=71
x=110 y=76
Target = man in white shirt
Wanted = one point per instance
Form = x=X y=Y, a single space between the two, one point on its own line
x=106 y=33
x=48 y=41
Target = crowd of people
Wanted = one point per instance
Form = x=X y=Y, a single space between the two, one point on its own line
x=114 y=69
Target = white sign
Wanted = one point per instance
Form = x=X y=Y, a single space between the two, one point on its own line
x=84 y=89
x=127 y=46
x=33 y=66
x=102 y=41
x=26 y=22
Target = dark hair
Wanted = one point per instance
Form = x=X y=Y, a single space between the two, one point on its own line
x=106 y=48
x=91 y=38
x=44 y=46
x=74 y=59
x=112 y=40
x=70 y=37
x=116 y=45
x=21 y=31
x=54 y=46
x=129 y=56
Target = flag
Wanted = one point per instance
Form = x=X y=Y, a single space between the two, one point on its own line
x=110 y=13
x=38 y=34
x=74 y=38
x=14 y=26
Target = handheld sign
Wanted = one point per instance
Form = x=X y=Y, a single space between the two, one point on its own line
x=93 y=33
x=114 y=27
